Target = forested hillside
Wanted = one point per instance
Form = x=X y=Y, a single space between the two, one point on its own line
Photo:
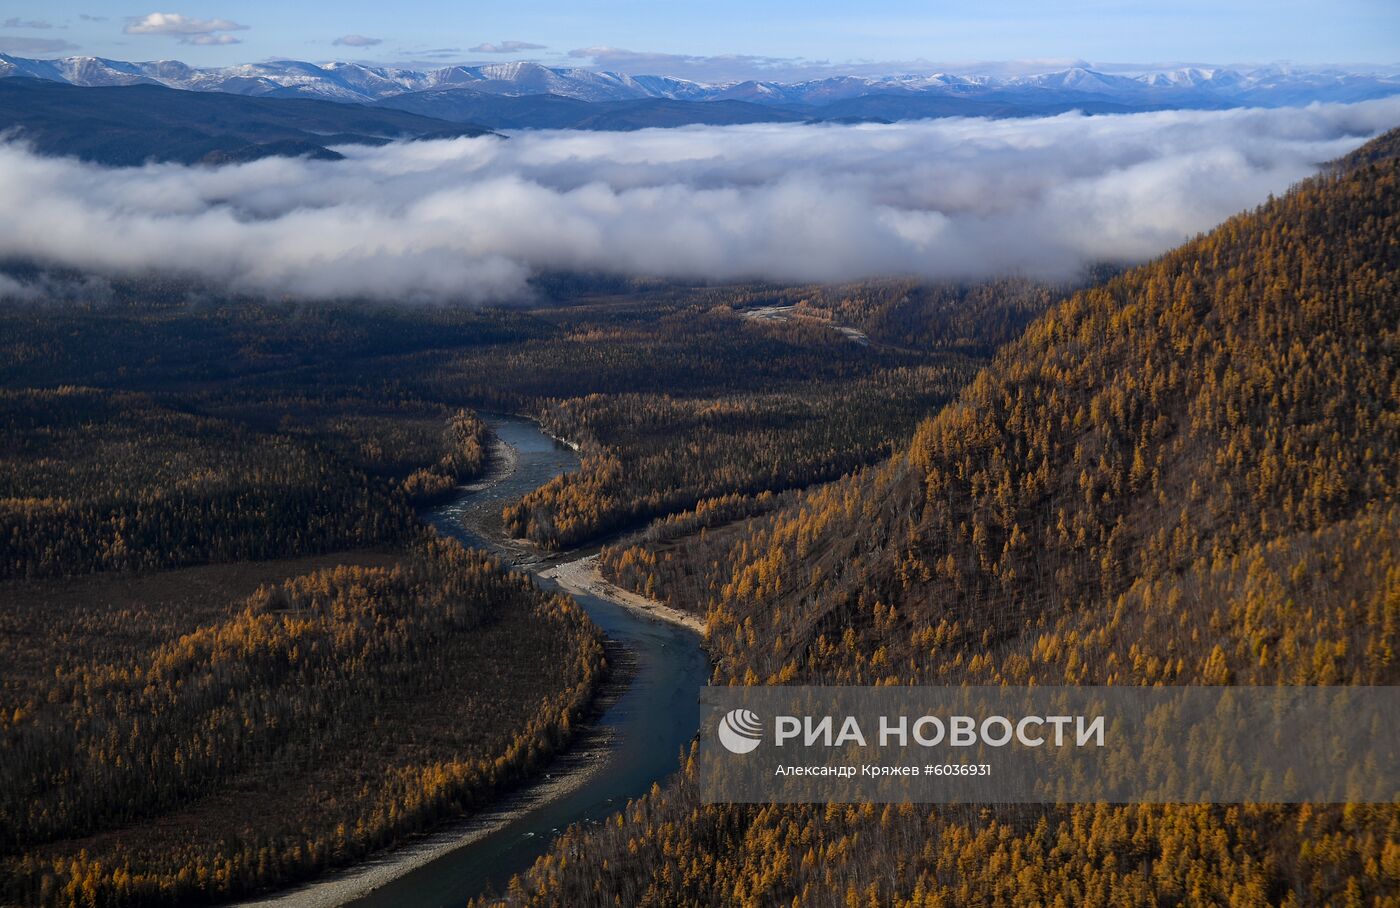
x=130 y=125
x=1186 y=475
x=150 y=762
x=649 y=454
x=93 y=481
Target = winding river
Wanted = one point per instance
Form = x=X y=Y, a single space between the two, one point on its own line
x=643 y=729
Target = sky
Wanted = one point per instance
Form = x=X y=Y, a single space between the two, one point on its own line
x=717 y=39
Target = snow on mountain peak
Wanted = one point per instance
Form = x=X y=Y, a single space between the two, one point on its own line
x=345 y=81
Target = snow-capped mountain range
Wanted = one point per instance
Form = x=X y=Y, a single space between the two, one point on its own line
x=353 y=82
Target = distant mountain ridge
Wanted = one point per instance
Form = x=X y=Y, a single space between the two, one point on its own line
x=1195 y=87
x=117 y=112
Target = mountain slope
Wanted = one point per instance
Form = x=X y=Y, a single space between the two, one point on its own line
x=465 y=105
x=1187 y=475
x=662 y=112
x=1190 y=408
x=550 y=111
x=130 y=125
x=1240 y=390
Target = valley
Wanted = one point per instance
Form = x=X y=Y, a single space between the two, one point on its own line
x=386 y=428
x=642 y=717
x=417 y=471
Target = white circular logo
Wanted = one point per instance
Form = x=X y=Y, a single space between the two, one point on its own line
x=740 y=731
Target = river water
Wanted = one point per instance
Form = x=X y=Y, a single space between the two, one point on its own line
x=650 y=723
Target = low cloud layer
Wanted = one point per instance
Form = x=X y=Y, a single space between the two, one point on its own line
x=471 y=219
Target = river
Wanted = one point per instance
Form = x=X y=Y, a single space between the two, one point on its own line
x=647 y=726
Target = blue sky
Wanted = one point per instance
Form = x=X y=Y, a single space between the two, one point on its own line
x=717 y=39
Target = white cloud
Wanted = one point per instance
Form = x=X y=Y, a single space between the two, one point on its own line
x=188 y=30
x=50 y=288
x=471 y=219
x=18 y=44
x=207 y=40
x=505 y=47
x=11 y=289
x=356 y=41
